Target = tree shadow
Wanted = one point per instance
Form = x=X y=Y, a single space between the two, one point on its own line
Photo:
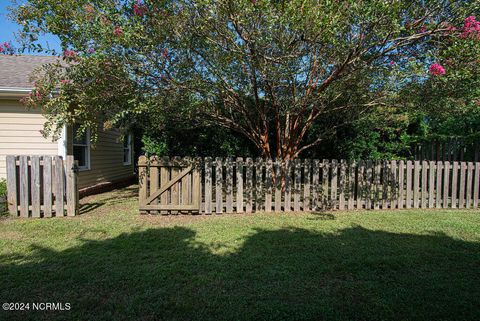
x=287 y=274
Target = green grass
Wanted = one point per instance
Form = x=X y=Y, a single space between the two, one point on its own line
x=110 y=263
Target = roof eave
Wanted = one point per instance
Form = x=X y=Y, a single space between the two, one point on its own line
x=14 y=92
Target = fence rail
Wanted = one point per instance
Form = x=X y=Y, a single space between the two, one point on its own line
x=247 y=185
x=41 y=186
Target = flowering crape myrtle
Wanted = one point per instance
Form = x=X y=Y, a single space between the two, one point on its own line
x=270 y=70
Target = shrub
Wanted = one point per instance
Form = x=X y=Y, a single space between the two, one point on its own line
x=3 y=196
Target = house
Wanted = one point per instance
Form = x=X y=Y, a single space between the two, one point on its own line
x=109 y=162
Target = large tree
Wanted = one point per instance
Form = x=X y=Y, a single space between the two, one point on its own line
x=270 y=70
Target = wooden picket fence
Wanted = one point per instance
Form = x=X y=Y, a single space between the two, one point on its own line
x=42 y=186
x=247 y=185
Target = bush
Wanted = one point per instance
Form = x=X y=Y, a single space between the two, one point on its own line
x=3 y=196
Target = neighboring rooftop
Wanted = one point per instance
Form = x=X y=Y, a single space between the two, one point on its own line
x=15 y=70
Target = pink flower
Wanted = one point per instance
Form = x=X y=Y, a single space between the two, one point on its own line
x=139 y=9
x=436 y=70
x=38 y=95
x=117 y=31
x=65 y=81
x=1 y=49
x=7 y=45
x=392 y=63
x=69 y=53
x=471 y=28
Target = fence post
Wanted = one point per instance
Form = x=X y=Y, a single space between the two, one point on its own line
x=72 y=190
x=142 y=180
x=12 y=199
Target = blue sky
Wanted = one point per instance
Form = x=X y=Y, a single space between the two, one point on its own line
x=8 y=29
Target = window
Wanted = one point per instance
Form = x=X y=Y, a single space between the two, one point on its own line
x=81 y=148
x=127 y=149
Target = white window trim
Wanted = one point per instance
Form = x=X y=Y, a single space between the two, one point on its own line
x=87 y=157
x=130 y=142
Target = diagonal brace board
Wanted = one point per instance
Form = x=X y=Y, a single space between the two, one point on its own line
x=168 y=185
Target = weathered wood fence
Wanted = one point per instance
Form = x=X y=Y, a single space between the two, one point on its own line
x=42 y=186
x=247 y=185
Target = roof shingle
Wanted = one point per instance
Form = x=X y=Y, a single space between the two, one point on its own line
x=15 y=70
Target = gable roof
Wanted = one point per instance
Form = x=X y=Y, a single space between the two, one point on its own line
x=15 y=70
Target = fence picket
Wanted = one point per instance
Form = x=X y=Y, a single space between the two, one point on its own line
x=297 y=186
x=59 y=187
x=368 y=185
x=431 y=183
x=408 y=201
x=342 y=185
x=208 y=185
x=164 y=178
x=377 y=184
x=334 y=181
x=438 y=197
x=325 y=183
x=229 y=185
x=470 y=168
x=12 y=199
x=47 y=187
x=35 y=185
x=351 y=185
x=424 y=184
x=385 y=185
x=416 y=184
x=288 y=183
x=446 y=181
x=454 y=184
x=239 y=168
x=24 y=186
x=278 y=186
x=258 y=184
x=360 y=184
x=306 y=185
x=249 y=185
x=154 y=178
x=401 y=187
x=315 y=184
x=218 y=185
x=393 y=185
x=461 y=194
x=268 y=185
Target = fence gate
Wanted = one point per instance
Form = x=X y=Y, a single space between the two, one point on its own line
x=168 y=186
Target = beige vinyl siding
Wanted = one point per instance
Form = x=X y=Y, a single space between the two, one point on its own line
x=106 y=160
x=20 y=133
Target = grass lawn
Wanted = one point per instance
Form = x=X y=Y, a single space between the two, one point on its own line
x=110 y=263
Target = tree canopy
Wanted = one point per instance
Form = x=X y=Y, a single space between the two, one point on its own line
x=274 y=71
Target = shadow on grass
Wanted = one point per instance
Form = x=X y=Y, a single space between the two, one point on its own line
x=91 y=203
x=288 y=274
